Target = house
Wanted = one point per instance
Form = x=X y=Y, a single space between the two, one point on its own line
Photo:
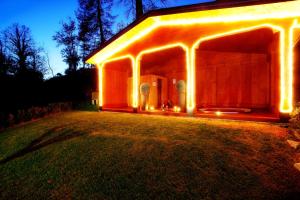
x=237 y=56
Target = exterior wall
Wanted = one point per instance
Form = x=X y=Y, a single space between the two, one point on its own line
x=115 y=84
x=227 y=79
x=275 y=74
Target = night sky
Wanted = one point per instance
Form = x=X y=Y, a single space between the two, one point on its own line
x=43 y=18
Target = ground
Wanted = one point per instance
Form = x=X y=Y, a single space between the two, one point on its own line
x=90 y=155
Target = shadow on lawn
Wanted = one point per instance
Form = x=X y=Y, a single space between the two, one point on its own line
x=42 y=141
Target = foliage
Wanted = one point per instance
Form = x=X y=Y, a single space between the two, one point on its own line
x=85 y=106
x=5 y=60
x=75 y=87
x=67 y=37
x=35 y=112
x=138 y=7
x=27 y=89
x=95 y=21
x=18 y=51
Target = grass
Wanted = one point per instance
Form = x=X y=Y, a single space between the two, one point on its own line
x=89 y=155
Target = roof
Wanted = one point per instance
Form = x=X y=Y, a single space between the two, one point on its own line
x=149 y=18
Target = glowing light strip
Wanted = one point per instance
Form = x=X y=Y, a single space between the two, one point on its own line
x=285 y=97
x=100 y=85
x=245 y=13
x=277 y=11
x=142 y=29
x=290 y=71
x=100 y=75
x=165 y=47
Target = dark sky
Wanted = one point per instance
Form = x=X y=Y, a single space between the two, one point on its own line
x=43 y=18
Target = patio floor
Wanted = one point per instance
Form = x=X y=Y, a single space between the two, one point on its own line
x=261 y=117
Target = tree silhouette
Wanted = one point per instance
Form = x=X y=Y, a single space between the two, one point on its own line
x=67 y=37
x=138 y=7
x=94 y=24
x=5 y=60
x=22 y=50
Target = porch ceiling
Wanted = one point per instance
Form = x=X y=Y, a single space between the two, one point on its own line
x=256 y=41
x=188 y=26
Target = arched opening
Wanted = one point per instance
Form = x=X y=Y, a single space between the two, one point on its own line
x=117 y=84
x=163 y=80
x=239 y=72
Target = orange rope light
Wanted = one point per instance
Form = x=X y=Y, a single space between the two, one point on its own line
x=100 y=75
x=162 y=48
x=275 y=11
x=285 y=102
x=290 y=82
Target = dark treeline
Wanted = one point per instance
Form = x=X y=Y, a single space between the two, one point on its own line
x=24 y=65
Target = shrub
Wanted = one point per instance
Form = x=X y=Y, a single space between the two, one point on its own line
x=20 y=117
x=10 y=119
x=36 y=112
x=85 y=106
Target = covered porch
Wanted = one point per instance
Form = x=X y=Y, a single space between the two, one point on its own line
x=178 y=66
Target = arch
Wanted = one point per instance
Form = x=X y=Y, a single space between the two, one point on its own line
x=163 y=48
x=285 y=95
x=101 y=77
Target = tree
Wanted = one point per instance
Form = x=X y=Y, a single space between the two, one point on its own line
x=94 y=23
x=67 y=37
x=38 y=61
x=5 y=60
x=19 y=44
x=21 y=48
x=48 y=62
x=139 y=7
x=120 y=26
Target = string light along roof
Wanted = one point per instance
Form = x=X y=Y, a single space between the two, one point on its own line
x=213 y=12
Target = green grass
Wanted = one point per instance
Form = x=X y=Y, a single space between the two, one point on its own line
x=90 y=155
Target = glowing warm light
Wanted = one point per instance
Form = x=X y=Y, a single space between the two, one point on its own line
x=245 y=13
x=286 y=69
x=100 y=85
x=134 y=76
x=218 y=113
x=286 y=105
x=134 y=34
x=152 y=108
x=176 y=109
x=255 y=13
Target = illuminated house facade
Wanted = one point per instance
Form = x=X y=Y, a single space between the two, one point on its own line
x=241 y=55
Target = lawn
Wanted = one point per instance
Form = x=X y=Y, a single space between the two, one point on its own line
x=90 y=155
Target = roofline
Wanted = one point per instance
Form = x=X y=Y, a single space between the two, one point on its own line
x=183 y=9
